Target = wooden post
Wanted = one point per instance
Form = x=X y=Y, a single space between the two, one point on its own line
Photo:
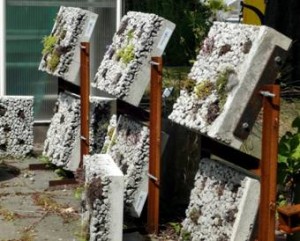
x=155 y=143
x=267 y=218
x=84 y=97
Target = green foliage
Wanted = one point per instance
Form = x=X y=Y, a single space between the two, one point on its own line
x=176 y=226
x=49 y=43
x=217 y=5
x=174 y=78
x=204 y=89
x=185 y=235
x=130 y=35
x=126 y=54
x=221 y=84
x=78 y=192
x=192 y=19
x=188 y=84
x=289 y=160
x=53 y=61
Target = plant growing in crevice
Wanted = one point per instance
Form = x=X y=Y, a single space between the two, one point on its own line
x=53 y=62
x=221 y=83
x=49 y=43
x=188 y=84
x=126 y=54
x=289 y=163
x=185 y=235
x=204 y=89
x=194 y=214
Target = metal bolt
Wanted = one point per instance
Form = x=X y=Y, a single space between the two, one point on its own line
x=278 y=60
x=267 y=94
x=154 y=63
x=152 y=177
x=245 y=125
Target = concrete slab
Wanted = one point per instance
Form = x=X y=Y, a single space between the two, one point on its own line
x=125 y=69
x=223 y=204
x=226 y=74
x=16 y=125
x=72 y=26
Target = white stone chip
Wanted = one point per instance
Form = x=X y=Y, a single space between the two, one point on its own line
x=16 y=125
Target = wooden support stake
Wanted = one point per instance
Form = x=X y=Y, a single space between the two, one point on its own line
x=85 y=102
x=271 y=106
x=155 y=143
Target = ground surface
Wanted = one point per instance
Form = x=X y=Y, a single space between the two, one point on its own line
x=29 y=210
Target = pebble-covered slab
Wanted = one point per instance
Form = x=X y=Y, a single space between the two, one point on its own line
x=103 y=198
x=61 y=53
x=16 y=125
x=223 y=78
x=129 y=148
x=125 y=69
x=223 y=204
x=62 y=145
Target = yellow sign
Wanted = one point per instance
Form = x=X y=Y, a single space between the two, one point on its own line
x=253 y=11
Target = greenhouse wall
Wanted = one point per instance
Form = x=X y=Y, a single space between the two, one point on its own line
x=27 y=22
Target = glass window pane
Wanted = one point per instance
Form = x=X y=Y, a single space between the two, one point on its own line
x=27 y=22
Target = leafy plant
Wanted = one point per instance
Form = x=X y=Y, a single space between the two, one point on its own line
x=204 y=89
x=126 y=54
x=221 y=83
x=49 y=43
x=289 y=161
x=185 y=235
x=53 y=62
x=217 y=5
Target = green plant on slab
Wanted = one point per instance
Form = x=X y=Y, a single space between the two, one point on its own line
x=130 y=35
x=176 y=226
x=185 y=235
x=289 y=162
x=49 y=43
x=204 y=89
x=221 y=83
x=126 y=54
x=53 y=62
x=188 y=84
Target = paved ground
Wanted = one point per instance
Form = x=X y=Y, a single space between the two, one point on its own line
x=29 y=210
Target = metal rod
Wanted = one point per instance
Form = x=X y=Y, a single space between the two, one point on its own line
x=85 y=102
x=268 y=166
x=155 y=143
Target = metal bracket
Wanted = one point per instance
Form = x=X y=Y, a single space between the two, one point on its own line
x=267 y=94
x=154 y=63
x=253 y=107
x=152 y=177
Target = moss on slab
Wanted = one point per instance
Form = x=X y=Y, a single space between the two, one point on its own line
x=204 y=89
x=126 y=54
x=49 y=43
x=221 y=83
x=188 y=84
x=53 y=61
